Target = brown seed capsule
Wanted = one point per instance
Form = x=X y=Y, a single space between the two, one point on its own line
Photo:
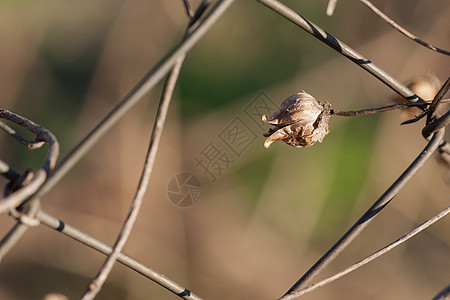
x=300 y=122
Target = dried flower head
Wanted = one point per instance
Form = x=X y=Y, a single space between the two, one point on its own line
x=300 y=122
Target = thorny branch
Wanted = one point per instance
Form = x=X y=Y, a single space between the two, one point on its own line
x=28 y=215
x=401 y=29
x=436 y=125
x=23 y=187
x=25 y=219
x=97 y=283
x=444 y=294
x=373 y=256
x=7 y=172
x=42 y=135
x=124 y=259
x=400 y=182
x=430 y=112
x=371 y=111
x=368 y=216
x=136 y=93
x=437 y=100
x=21 y=192
x=341 y=48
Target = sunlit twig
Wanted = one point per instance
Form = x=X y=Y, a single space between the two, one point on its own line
x=401 y=29
x=368 y=216
x=342 y=48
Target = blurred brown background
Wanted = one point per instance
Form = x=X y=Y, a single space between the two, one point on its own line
x=272 y=213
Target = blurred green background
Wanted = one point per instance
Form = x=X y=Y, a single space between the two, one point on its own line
x=272 y=213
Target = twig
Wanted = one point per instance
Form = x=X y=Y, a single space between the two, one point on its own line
x=401 y=29
x=29 y=144
x=368 y=216
x=137 y=92
x=18 y=197
x=193 y=22
x=434 y=104
x=187 y=6
x=342 y=48
x=41 y=133
x=331 y=6
x=7 y=172
x=371 y=257
x=371 y=111
x=124 y=259
x=444 y=294
x=96 y=284
x=18 y=230
x=437 y=100
x=436 y=125
x=98 y=281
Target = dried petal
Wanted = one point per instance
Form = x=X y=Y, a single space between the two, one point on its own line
x=301 y=106
x=300 y=122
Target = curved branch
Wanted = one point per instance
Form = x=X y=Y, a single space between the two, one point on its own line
x=368 y=216
x=18 y=230
x=23 y=193
x=41 y=133
x=372 y=111
x=124 y=259
x=342 y=48
x=373 y=256
x=96 y=284
x=401 y=29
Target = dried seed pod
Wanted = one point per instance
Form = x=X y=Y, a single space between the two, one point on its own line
x=300 y=122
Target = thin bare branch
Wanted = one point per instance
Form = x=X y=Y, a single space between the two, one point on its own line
x=401 y=29
x=187 y=7
x=18 y=197
x=371 y=257
x=98 y=281
x=434 y=104
x=437 y=100
x=29 y=144
x=124 y=259
x=41 y=133
x=137 y=92
x=7 y=172
x=18 y=230
x=331 y=6
x=25 y=191
x=444 y=294
x=368 y=216
x=342 y=48
x=96 y=284
x=371 y=111
x=436 y=125
x=194 y=21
